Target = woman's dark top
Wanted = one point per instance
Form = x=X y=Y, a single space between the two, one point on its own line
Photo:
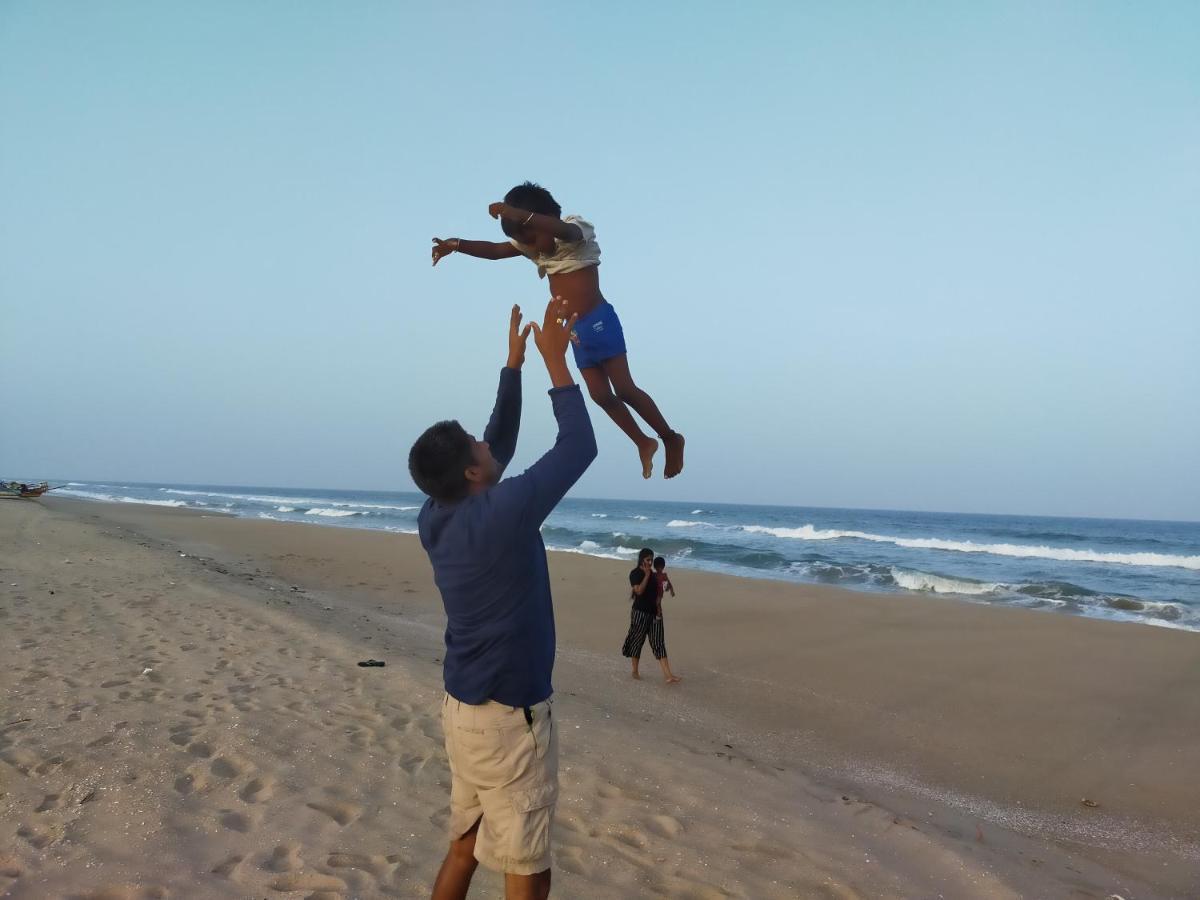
x=647 y=600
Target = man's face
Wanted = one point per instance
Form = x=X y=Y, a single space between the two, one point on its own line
x=485 y=471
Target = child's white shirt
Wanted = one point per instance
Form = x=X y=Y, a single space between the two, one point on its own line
x=568 y=256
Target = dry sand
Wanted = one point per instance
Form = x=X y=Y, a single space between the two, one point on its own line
x=182 y=716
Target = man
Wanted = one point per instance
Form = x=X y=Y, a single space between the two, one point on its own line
x=483 y=538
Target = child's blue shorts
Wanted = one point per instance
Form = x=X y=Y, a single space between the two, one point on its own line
x=597 y=337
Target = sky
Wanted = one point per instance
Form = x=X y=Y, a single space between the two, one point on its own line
x=936 y=256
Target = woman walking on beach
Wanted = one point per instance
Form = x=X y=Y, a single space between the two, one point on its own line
x=645 y=619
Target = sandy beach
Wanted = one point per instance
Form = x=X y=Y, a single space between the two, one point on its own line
x=182 y=716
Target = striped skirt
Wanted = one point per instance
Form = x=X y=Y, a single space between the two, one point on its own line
x=644 y=625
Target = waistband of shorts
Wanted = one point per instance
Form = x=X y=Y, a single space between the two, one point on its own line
x=491 y=714
x=602 y=308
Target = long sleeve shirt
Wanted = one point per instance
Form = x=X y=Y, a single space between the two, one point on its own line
x=489 y=561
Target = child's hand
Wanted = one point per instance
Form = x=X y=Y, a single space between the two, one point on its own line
x=443 y=248
x=496 y=210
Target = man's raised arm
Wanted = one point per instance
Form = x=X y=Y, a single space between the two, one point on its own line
x=540 y=487
x=505 y=423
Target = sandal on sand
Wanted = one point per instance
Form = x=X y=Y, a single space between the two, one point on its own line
x=370 y=663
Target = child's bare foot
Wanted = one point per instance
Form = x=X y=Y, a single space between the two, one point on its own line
x=646 y=451
x=673 y=679
x=637 y=676
x=674 y=444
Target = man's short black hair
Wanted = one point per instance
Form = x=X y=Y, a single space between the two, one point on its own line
x=438 y=459
x=643 y=553
x=660 y=562
x=533 y=198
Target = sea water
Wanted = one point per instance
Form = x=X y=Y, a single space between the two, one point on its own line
x=1130 y=570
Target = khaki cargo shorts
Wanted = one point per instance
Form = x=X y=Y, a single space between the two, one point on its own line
x=504 y=770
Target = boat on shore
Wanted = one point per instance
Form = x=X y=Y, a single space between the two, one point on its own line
x=20 y=490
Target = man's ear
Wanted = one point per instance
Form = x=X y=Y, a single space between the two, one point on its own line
x=473 y=474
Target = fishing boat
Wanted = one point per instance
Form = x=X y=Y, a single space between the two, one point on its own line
x=20 y=490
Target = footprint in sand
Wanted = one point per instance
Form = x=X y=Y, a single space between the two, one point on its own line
x=664 y=826
x=10 y=867
x=183 y=733
x=21 y=760
x=229 y=766
x=125 y=892
x=190 y=783
x=308 y=881
x=412 y=763
x=379 y=866
x=258 y=791
x=571 y=859
x=51 y=801
x=239 y=821
x=341 y=812
x=38 y=837
x=229 y=868
x=285 y=858
x=765 y=849
x=201 y=748
x=631 y=837
x=53 y=764
x=690 y=890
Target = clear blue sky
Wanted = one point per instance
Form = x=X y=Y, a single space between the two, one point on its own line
x=926 y=256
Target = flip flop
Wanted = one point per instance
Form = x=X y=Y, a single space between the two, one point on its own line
x=370 y=663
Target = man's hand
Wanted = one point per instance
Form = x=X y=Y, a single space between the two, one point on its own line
x=443 y=248
x=552 y=339
x=496 y=210
x=646 y=566
x=517 y=337
x=554 y=334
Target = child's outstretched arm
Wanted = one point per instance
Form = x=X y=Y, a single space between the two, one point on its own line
x=478 y=249
x=564 y=231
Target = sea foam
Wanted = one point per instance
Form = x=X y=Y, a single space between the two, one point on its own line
x=1064 y=554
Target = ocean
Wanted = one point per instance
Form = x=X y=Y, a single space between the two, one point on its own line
x=1126 y=570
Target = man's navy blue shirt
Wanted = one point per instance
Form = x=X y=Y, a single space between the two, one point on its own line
x=489 y=561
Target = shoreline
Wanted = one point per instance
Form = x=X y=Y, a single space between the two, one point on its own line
x=975 y=726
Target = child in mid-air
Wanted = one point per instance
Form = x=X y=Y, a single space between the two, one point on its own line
x=567 y=252
x=664 y=580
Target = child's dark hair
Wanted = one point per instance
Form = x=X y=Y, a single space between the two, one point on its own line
x=532 y=198
x=438 y=458
x=660 y=562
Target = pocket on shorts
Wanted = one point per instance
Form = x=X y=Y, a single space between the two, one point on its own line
x=535 y=810
x=535 y=798
x=542 y=732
